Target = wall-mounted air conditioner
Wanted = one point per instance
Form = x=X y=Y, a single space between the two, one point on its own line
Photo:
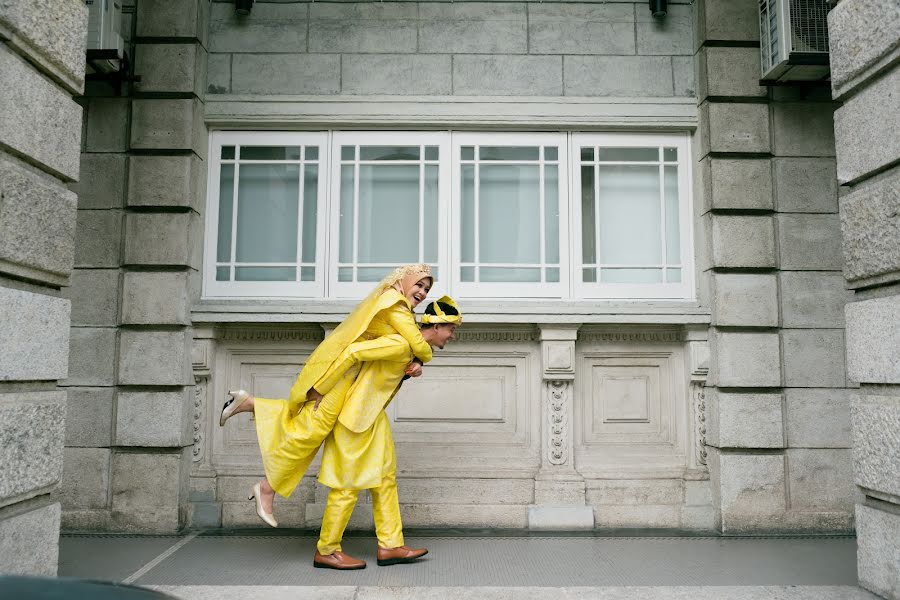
x=793 y=40
x=104 y=45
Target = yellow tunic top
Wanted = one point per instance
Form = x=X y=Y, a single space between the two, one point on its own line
x=359 y=452
x=288 y=436
x=388 y=313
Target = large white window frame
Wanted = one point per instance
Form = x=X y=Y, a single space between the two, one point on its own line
x=570 y=285
x=682 y=290
x=540 y=289
x=423 y=139
x=253 y=289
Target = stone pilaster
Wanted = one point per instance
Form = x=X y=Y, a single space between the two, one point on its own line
x=559 y=490
x=41 y=68
x=863 y=36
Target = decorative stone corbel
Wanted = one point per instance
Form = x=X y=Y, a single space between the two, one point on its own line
x=559 y=490
x=698 y=354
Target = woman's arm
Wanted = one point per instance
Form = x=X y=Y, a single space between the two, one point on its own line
x=386 y=347
x=403 y=321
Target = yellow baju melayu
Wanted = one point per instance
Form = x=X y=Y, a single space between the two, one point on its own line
x=290 y=431
x=359 y=454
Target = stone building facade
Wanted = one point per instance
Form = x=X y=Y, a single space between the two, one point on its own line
x=716 y=397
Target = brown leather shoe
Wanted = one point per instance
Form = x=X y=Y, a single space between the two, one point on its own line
x=337 y=560
x=396 y=556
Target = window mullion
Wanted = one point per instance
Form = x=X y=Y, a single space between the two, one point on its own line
x=542 y=232
x=354 y=254
x=662 y=215
x=234 y=214
x=422 y=203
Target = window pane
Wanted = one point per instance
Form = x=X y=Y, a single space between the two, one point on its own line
x=588 y=217
x=431 y=153
x=508 y=214
x=673 y=236
x=629 y=206
x=508 y=153
x=348 y=152
x=551 y=275
x=223 y=273
x=268 y=199
x=227 y=152
x=551 y=214
x=551 y=153
x=265 y=273
x=467 y=225
x=312 y=153
x=505 y=274
x=389 y=153
x=467 y=273
x=226 y=208
x=372 y=273
x=310 y=195
x=345 y=225
x=589 y=275
x=431 y=213
x=628 y=154
x=631 y=275
x=307 y=273
x=467 y=153
x=587 y=153
x=670 y=154
x=270 y=153
x=345 y=274
x=673 y=275
x=388 y=225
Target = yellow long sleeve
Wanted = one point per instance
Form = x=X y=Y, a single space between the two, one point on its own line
x=400 y=318
x=392 y=348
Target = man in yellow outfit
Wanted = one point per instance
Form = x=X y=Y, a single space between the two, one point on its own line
x=359 y=453
x=290 y=431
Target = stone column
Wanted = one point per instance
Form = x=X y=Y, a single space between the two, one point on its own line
x=42 y=62
x=863 y=36
x=161 y=260
x=559 y=491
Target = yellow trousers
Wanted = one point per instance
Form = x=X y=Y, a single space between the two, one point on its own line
x=385 y=509
x=289 y=441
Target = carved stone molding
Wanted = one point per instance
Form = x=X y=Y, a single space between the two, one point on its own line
x=632 y=336
x=558 y=425
x=270 y=335
x=496 y=336
x=197 y=427
x=698 y=396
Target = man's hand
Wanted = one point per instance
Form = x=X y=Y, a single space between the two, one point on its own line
x=414 y=369
x=312 y=394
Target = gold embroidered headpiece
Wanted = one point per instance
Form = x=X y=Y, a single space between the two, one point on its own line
x=442 y=310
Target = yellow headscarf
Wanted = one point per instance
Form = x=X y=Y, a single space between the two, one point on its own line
x=389 y=291
x=440 y=316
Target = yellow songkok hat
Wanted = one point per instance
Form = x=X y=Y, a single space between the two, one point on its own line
x=442 y=310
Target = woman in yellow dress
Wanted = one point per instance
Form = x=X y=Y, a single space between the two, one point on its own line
x=359 y=453
x=290 y=431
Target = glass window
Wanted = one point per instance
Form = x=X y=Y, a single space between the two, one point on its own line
x=389 y=204
x=632 y=212
x=509 y=214
x=502 y=215
x=265 y=199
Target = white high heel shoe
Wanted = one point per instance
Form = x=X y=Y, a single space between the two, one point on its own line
x=238 y=397
x=269 y=518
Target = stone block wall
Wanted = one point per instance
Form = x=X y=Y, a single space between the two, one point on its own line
x=136 y=258
x=866 y=80
x=41 y=69
x=446 y=49
x=779 y=402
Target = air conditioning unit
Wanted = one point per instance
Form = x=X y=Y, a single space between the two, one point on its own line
x=104 y=45
x=793 y=40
